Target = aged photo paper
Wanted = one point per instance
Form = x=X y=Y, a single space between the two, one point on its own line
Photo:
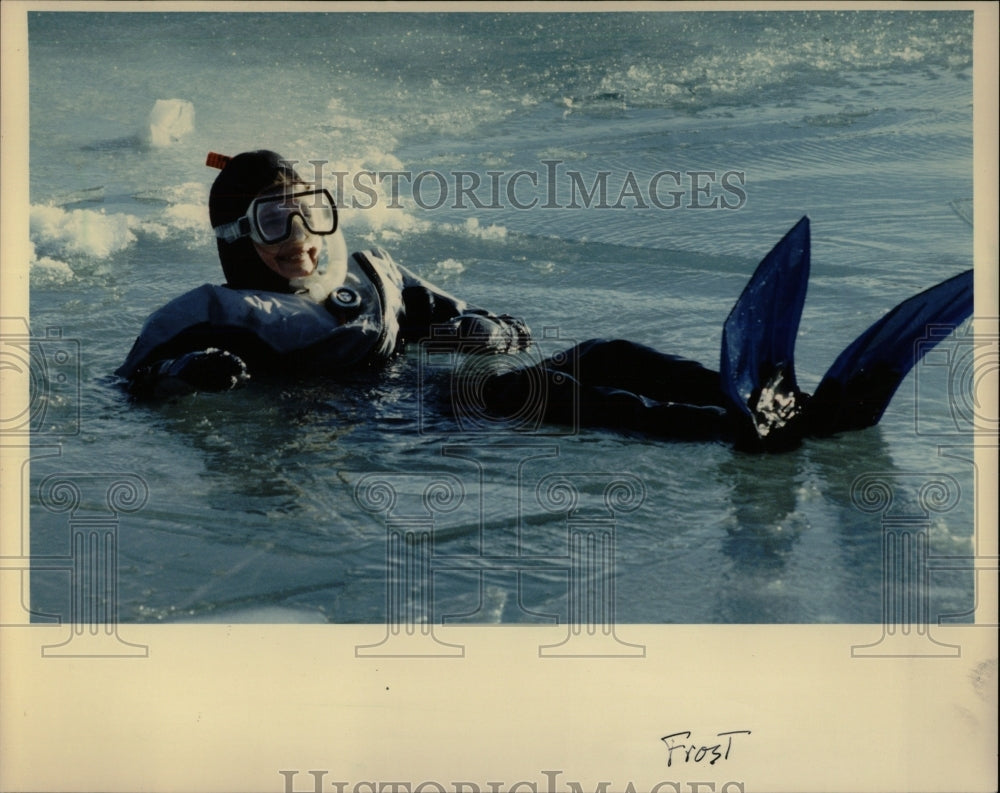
x=598 y=703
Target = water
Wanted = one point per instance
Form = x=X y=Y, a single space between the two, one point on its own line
x=862 y=120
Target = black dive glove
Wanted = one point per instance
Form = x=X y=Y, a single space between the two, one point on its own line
x=492 y=334
x=204 y=370
x=430 y=314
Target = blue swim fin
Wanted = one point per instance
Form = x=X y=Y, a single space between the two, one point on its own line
x=857 y=388
x=757 y=369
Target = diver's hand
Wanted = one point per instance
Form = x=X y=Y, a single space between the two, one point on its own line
x=486 y=333
x=203 y=370
x=520 y=332
x=210 y=370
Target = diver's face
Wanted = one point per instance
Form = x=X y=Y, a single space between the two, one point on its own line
x=295 y=257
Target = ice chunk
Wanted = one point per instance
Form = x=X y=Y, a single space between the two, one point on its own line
x=169 y=121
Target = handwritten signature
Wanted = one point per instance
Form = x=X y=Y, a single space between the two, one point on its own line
x=696 y=751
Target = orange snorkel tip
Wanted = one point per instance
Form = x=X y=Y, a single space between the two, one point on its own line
x=215 y=160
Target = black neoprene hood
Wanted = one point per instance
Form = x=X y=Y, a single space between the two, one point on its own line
x=242 y=179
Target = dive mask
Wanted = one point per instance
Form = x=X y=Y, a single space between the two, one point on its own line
x=269 y=218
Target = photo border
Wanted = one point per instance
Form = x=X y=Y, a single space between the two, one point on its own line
x=275 y=708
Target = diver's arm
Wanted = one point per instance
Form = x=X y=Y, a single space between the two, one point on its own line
x=211 y=369
x=432 y=312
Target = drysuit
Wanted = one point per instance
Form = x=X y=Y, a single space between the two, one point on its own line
x=213 y=337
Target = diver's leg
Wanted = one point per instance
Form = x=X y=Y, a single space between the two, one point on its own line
x=559 y=398
x=615 y=385
x=641 y=370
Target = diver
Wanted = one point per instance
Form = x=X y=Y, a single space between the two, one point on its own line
x=294 y=302
x=753 y=400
